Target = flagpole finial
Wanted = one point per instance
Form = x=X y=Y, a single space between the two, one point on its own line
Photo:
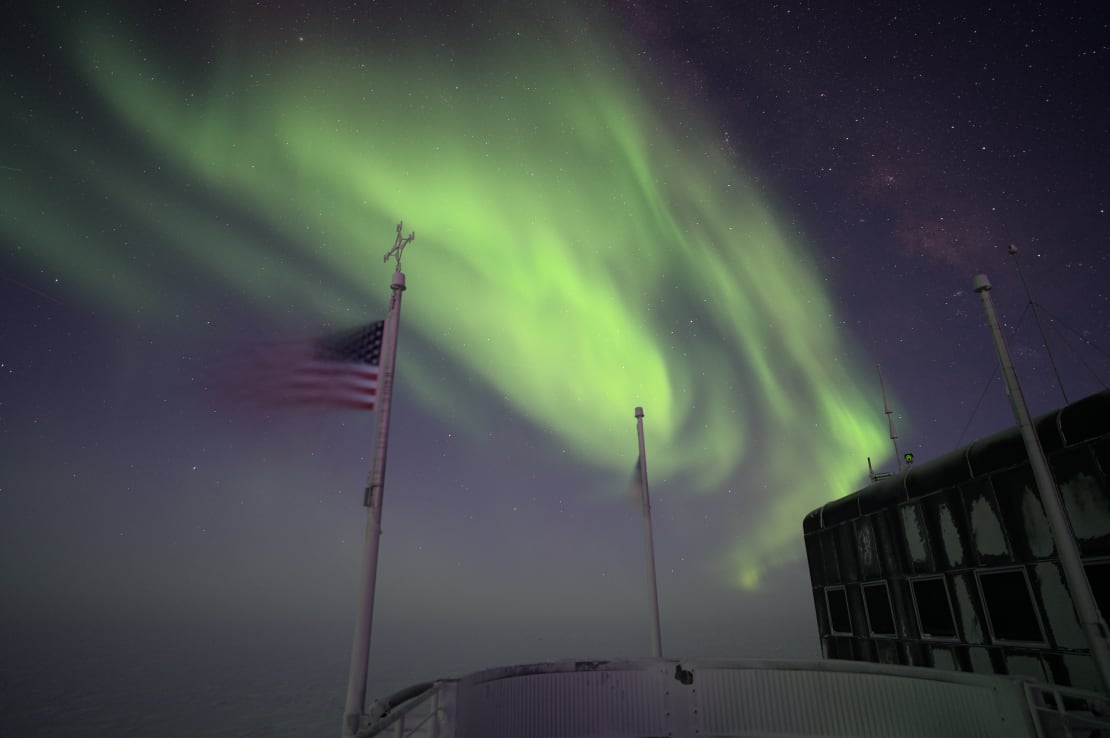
x=399 y=245
x=639 y=412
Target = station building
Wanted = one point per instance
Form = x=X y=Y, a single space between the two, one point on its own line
x=952 y=564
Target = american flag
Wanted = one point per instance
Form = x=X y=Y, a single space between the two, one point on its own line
x=339 y=370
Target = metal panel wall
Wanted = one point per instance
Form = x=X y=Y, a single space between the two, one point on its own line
x=564 y=704
x=762 y=702
x=735 y=699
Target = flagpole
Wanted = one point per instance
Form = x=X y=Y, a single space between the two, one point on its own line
x=1071 y=561
x=354 y=712
x=656 y=638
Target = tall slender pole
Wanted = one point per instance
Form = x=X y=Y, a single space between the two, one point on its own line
x=353 y=713
x=1066 y=547
x=656 y=637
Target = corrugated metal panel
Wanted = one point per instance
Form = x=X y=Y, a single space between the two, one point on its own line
x=749 y=702
x=734 y=699
x=590 y=702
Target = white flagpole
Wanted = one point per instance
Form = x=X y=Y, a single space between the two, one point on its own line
x=656 y=638
x=354 y=716
x=1094 y=626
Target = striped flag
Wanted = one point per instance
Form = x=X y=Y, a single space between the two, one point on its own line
x=340 y=370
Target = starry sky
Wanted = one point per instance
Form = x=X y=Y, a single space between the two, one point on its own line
x=726 y=215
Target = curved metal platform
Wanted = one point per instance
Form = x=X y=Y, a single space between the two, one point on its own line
x=660 y=697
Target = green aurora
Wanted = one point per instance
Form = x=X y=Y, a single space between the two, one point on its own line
x=583 y=245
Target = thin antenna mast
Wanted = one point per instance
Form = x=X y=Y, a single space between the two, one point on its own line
x=1037 y=318
x=889 y=419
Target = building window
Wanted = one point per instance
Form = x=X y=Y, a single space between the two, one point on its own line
x=1098 y=574
x=867 y=550
x=1011 y=613
x=840 y=621
x=917 y=540
x=934 y=609
x=829 y=556
x=880 y=617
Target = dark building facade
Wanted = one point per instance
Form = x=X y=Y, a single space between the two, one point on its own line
x=952 y=563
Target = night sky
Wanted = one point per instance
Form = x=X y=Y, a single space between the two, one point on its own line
x=727 y=215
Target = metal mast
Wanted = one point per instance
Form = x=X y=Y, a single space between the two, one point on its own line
x=1093 y=624
x=354 y=712
x=656 y=637
x=889 y=419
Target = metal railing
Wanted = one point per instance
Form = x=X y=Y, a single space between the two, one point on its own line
x=424 y=714
x=1064 y=712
